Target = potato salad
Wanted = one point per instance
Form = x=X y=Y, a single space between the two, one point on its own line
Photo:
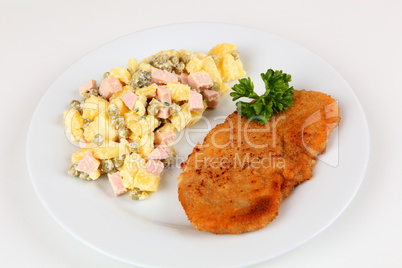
x=126 y=125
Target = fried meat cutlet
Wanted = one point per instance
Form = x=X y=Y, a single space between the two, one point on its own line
x=236 y=180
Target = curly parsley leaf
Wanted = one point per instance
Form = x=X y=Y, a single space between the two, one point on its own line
x=278 y=96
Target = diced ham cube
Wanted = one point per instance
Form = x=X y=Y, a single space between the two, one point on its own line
x=195 y=102
x=170 y=77
x=166 y=138
x=117 y=183
x=200 y=80
x=211 y=97
x=160 y=152
x=154 y=166
x=109 y=86
x=87 y=86
x=83 y=143
x=129 y=99
x=161 y=77
x=157 y=76
x=88 y=163
x=183 y=78
x=164 y=113
x=163 y=95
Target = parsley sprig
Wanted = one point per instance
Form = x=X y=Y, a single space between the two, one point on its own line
x=278 y=96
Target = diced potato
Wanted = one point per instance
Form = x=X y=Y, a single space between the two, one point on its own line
x=78 y=155
x=178 y=91
x=95 y=175
x=166 y=127
x=222 y=49
x=121 y=93
x=121 y=73
x=143 y=126
x=111 y=149
x=132 y=65
x=131 y=118
x=182 y=119
x=231 y=69
x=147 y=144
x=139 y=108
x=202 y=55
x=120 y=104
x=149 y=91
x=73 y=122
x=94 y=106
x=224 y=88
x=132 y=163
x=145 y=66
x=101 y=125
x=146 y=181
x=207 y=64
x=134 y=137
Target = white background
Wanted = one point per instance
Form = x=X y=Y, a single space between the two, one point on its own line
x=362 y=40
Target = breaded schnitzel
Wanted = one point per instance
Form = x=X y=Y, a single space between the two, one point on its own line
x=236 y=180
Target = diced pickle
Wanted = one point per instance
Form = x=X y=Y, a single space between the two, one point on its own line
x=84 y=176
x=94 y=92
x=73 y=170
x=168 y=161
x=140 y=79
x=174 y=109
x=174 y=60
x=179 y=67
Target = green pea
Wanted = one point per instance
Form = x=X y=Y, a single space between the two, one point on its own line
x=74 y=104
x=106 y=166
x=118 y=122
x=185 y=58
x=215 y=86
x=98 y=139
x=118 y=161
x=113 y=111
x=135 y=194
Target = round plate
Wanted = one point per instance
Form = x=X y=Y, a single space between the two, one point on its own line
x=156 y=232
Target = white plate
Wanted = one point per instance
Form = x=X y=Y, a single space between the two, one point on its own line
x=156 y=232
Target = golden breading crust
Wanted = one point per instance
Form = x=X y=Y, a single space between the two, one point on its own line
x=236 y=180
